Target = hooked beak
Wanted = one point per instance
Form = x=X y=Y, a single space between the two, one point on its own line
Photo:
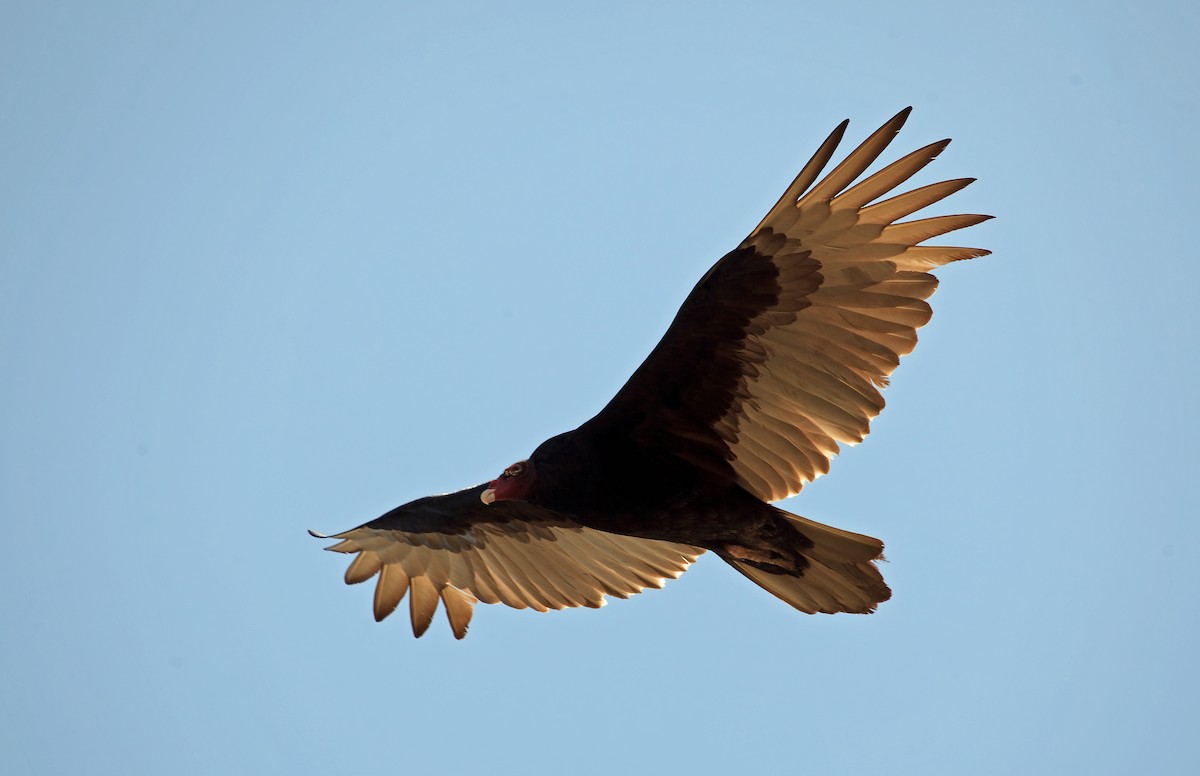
x=488 y=496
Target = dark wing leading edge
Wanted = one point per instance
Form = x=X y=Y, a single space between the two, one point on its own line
x=456 y=549
x=778 y=354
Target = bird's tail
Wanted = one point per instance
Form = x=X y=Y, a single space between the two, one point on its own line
x=839 y=574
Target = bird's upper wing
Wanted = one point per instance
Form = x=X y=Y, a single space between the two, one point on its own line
x=778 y=354
x=456 y=549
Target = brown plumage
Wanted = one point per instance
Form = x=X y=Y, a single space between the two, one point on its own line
x=776 y=358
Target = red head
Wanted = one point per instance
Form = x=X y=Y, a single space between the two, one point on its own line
x=513 y=485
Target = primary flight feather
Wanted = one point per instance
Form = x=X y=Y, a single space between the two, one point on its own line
x=775 y=359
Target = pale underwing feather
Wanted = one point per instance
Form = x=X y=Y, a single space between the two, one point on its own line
x=521 y=564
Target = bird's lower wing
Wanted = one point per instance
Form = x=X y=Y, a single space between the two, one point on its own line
x=524 y=564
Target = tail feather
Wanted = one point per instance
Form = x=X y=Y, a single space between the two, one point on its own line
x=840 y=574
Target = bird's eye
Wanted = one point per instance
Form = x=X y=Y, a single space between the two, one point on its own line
x=514 y=471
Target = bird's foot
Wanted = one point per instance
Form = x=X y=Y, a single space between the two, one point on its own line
x=766 y=559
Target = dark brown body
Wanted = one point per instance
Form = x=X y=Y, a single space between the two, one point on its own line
x=607 y=482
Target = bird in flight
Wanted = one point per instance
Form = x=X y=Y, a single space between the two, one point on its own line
x=776 y=358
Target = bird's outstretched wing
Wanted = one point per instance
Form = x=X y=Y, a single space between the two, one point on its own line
x=456 y=549
x=778 y=354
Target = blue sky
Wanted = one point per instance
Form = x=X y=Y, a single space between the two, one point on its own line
x=272 y=266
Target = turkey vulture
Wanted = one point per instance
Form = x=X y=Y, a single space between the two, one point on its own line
x=776 y=356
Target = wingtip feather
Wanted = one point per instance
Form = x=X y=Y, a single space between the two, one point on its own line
x=422 y=604
x=459 y=607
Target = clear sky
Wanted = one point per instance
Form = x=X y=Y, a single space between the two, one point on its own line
x=273 y=266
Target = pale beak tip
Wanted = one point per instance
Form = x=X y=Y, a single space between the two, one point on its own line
x=488 y=496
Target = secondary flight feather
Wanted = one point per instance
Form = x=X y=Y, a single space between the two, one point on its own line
x=775 y=359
